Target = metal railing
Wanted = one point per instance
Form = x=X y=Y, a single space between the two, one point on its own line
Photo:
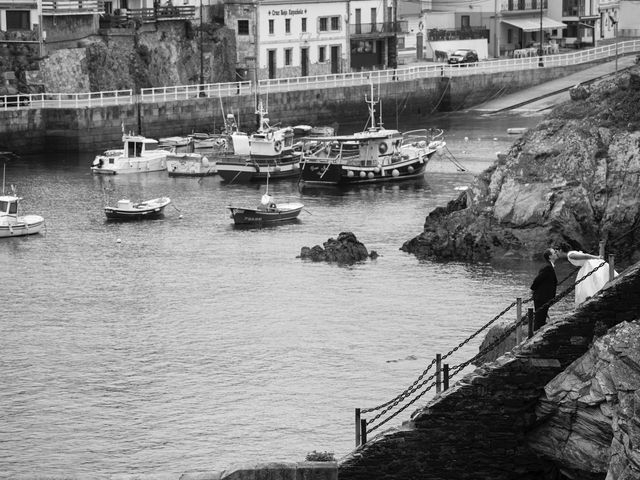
x=69 y=7
x=230 y=89
x=184 y=92
x=66 y=100
x=380 y=27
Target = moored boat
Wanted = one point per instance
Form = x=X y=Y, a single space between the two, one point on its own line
x=125 y=209
x=11 y=223
x=138 y=155
x=375 y=155
x=269 y=152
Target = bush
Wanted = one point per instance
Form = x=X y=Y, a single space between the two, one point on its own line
x=320 y=457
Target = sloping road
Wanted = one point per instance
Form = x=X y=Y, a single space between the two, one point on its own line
x=549 y=94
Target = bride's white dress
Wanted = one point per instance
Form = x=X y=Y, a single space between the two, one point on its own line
x=594 y=282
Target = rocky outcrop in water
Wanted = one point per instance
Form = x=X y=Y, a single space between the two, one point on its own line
x=574 y=180
x=589 y=422
x=346 y=249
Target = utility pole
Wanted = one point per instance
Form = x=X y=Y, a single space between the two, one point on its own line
x=541 y=63
x=201 y=52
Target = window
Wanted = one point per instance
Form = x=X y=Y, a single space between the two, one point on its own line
x=271 y=27
x=287 y=25
x=18 y=20
x=288 y=54
x=243 y=27
x=304 y=25
x=329 y=23
x=509 y=36
x=322 y=54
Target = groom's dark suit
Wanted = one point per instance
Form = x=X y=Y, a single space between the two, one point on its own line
x=544 y=289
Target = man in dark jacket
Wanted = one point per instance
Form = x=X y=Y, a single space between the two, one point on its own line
x=544 y=288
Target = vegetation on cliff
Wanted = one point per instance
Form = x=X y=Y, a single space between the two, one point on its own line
x=573 y=180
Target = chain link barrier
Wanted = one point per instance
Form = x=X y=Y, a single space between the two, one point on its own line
x=418 y=384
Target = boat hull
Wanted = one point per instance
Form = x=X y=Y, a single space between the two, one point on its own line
x=27 y=225
x=344 y=174
x=252 y=216
x=243 y=170
x=146 y=210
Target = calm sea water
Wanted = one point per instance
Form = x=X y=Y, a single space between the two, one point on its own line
x=185 y=344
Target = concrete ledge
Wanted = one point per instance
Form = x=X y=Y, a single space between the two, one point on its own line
x=271 y=471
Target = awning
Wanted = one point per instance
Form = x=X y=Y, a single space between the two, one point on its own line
x=532 y=24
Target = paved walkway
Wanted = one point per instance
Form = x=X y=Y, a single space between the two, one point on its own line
x=549 y=94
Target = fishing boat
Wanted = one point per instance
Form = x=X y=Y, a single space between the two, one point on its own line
x=11 y=223
x=267 y=152
x=268 y=212
x=183 y=160
x=376 y=154
x=127 y=210
x=138 y=155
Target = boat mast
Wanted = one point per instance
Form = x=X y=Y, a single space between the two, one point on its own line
x=372 y=112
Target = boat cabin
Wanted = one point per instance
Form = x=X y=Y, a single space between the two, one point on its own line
x=9 y=206
x=135 y=146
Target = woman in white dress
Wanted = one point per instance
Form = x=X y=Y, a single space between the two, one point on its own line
x=588 y=287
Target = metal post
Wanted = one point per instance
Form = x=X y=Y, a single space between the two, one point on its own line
x=601 y=248
x=446 y=376
x=518 y=320
x=616 y=35
x=363 y=431
x=612 y=271
x=530 y=321
x=438 y=372
x=201 y=52
x=358 y=420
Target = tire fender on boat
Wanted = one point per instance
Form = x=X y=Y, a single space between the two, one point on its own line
x=383 y=147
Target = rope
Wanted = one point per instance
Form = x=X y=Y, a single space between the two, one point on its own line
x=419 y=383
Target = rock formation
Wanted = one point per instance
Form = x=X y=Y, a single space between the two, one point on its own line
x=345 y=250
x=574 y=180
x=589 y=422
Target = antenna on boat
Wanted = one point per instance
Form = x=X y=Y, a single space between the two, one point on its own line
x=4 y=168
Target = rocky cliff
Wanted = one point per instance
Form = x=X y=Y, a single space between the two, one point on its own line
x=574 y=179
x=589 y=423
x=165 y=54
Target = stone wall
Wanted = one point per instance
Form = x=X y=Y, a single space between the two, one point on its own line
x=100 y=127
x=478 y=428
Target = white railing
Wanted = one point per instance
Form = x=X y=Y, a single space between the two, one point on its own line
x=183 y=92
x=66 y=100
x=231 y=89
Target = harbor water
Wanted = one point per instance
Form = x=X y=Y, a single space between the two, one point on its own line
x=185 y=344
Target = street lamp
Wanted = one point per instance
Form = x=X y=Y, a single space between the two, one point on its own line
x=201 y=53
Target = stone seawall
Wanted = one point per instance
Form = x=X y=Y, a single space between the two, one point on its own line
x=478 y=429
x=96 y=128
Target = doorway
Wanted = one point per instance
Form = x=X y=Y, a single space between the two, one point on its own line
x=272 y=63
x=304 y=61
x=335 y=59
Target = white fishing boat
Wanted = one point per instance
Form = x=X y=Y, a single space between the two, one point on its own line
x=125 y=209
x=11 y=223
x=138 y=155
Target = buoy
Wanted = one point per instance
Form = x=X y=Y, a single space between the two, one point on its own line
x=410 y=169
x=495 y=139
x=350 y=174
x=466 y=139
x=118 y=240
x=395 y=172
x=370 y=175
x=376 y=169
x=180 y=216
x=362 y=174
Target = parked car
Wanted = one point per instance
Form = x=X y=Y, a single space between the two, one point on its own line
x=463 y=56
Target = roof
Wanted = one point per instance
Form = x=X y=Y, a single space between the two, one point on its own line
x=532 y=24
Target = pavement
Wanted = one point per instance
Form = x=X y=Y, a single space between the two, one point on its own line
x=548 y=94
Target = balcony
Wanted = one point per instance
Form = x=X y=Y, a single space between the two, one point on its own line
x=69 y=7
x=522 y=6
x=467 y=33
x=383 y=29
